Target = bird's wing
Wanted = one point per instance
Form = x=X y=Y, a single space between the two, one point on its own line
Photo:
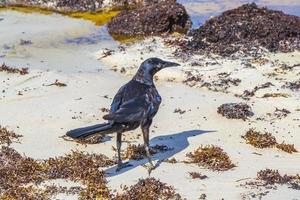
x=117 y=100
x=132 y=110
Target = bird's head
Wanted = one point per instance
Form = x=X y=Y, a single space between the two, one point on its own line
x=150 y=67
x=153 y=65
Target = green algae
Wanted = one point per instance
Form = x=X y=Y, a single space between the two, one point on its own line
x=98 y=18
x=127 y=39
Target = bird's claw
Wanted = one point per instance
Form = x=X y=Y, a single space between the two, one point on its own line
x=149 y=167
x=123 y=165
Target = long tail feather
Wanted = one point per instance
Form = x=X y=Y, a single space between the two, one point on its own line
x=85 y=132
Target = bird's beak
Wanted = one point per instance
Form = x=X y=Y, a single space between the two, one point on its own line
x=169 y=64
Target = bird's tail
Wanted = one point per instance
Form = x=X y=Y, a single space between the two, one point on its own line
x=102 y=129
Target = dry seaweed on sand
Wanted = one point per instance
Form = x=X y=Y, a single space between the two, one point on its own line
x=235 y=111
x=104 y=110
x=11 y=70
x=106 y=53
x=192 y=79
x=171 y=160
x=202 y=197
x=34 y=193
x=294 y=86
x=221 y=84
x=267 y=95
x=245 y=27
x=92 y=140
x=70 y=160
x=153 y=19
x=25 y=42
x=7 y=137
x=58 y=84
x=259 y=140
x=70 y=167
x=197 y=175
x=17 y=171
x=251 y=93
x=179 y=110
x=282 y=112
x=148 y=189
x=270 y=177
x=22 y=192
x=211 y=157
x=289 y=148
x=266 y=140
x=279 y=113
x=52 y=190
x=283 y=68
x=138 y=152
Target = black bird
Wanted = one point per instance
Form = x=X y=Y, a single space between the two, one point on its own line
x=134 y=105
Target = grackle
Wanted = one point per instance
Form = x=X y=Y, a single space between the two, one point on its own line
x=134 y=105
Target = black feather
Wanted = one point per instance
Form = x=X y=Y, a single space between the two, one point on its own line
x=89 y=130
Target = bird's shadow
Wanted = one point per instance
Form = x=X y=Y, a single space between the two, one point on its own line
x=176 y=142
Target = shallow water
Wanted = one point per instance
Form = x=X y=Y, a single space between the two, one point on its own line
x=55 y=42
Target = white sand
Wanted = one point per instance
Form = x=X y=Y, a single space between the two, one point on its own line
x=43 y=114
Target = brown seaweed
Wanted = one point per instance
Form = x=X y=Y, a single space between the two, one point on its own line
x=12 y=70
x=235 y=111
x=197 y=175
x=259 y=140
x=58 y=84
x=153 y=19
x=17 y=171
x=211 y=157
x=245 y=27
x=148 y=189
x=7 y=137
x=266 y=140
x=138 y=152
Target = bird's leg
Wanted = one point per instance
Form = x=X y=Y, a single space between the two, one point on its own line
x=119 y=143
x=121 y=165
x=145 y=131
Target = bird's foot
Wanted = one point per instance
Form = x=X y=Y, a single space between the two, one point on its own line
x=150 y=167
x=122 y=165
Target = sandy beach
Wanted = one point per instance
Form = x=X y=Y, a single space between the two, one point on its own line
x=72 y=51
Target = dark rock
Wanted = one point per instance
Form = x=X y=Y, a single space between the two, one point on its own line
x=246 y=27
x=157 y=18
